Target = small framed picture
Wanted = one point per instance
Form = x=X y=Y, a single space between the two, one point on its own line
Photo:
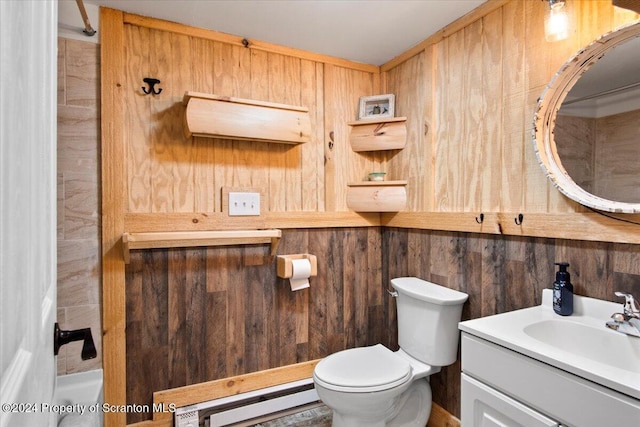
x=376 y=107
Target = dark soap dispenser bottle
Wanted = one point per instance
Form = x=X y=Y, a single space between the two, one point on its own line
x=562 y=291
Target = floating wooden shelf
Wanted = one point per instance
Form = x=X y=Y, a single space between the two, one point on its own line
x=377 y=196
x=186 y=239
x=217 y=116
x=378 y=134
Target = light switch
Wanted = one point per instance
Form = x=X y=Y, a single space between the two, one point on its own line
x=244 y=204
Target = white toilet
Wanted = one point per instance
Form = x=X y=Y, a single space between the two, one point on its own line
x=373 y=386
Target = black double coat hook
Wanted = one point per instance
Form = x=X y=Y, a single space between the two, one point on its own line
x=151 y=83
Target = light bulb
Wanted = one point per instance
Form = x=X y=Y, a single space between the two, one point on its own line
x=556 y=21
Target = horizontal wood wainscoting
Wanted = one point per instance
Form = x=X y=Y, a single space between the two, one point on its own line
x=201 y=314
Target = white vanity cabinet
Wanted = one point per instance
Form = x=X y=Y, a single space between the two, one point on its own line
x=483 y=406
x=501 y=387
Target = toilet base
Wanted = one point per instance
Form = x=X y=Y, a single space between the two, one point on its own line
x=415 y=410
x=411 y=409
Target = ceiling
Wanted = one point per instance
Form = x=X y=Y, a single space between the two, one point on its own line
x=368 y=31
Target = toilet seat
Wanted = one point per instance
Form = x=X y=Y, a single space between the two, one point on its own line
x=362 y=370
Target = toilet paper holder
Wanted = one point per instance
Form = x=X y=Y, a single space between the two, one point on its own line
x=284 y=266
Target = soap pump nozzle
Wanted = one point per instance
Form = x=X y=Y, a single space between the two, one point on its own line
x=562 y=275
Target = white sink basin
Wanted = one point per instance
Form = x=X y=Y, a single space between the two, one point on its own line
x=579 y=344
x=597 y=344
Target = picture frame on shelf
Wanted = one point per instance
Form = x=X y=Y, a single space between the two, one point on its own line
x=376 y=107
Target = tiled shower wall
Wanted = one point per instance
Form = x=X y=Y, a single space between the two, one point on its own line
x=78 y=199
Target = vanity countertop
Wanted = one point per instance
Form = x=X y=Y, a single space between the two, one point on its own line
x=579 y=344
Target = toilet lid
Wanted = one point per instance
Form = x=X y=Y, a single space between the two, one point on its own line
x=363 y=369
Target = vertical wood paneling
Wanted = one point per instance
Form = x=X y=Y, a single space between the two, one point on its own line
x=177 y=306
x=483 y=80
x=440 y=128
x=455 y=69
x=321 y=140
x=293 y=154
x=473 y=158
x=489 y=164
x=475 y=91
x=277 y=163
x=309 y=153
x=429 y=132
x=617 y=157
x=503 y=273
x=196 y=319
x=203 y=160
x=209 y=313
x=578 y=148
x=160 y=63
x=182 y=149
x=407 y=82
x=515 y=142
x=232 y=68
x=138 y=129
x=258 y=155
x=537 y=75
x=489 y=76
x=235 y=308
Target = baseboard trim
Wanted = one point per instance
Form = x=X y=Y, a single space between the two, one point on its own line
x=440 y=417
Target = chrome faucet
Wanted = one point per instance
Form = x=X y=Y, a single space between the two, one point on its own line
x=627 y=322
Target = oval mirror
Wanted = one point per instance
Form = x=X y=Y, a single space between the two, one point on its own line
x=587 y=124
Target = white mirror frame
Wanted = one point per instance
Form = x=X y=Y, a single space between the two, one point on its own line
x=545 y=119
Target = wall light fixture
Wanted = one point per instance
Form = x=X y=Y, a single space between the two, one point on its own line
x=556 y=21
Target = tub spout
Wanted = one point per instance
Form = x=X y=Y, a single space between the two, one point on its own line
x=61 y=338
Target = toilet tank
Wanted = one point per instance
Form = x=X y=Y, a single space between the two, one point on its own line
x=428 y=316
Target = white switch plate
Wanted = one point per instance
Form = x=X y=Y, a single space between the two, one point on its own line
x=244 y=204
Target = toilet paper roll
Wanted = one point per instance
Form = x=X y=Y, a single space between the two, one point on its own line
x=301 y=273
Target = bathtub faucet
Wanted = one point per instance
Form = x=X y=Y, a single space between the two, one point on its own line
x=61 y=338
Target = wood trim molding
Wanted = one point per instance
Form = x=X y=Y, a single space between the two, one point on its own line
x=158 y=24
x=200 y=221
x=113 y=181
x=588 y=226
x=440 y=417
x=197 y=393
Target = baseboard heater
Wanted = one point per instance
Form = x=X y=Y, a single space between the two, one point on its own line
x=247 y=409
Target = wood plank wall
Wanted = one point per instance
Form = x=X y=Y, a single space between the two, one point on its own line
x=603 y=153
x=202 y=314
x=168 y=172
x=503 y=273
x=469 y=94
x=474 y=91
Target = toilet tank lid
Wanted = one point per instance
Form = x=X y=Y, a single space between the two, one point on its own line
x=427 y=291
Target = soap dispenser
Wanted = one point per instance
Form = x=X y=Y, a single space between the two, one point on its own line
x=562 y=291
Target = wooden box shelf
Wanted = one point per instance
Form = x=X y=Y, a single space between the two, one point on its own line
x=217 y=116
x=377 y=196
x=186 y=239
x=378 y=134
